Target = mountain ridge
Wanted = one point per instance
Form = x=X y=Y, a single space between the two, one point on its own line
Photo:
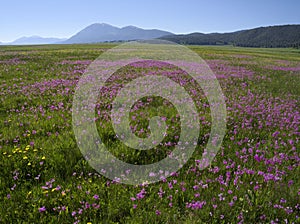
x=270 y=36
x=102 y=32
x=27 y=40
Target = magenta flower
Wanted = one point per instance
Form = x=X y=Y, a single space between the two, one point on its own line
x=161 y=192
x=96 y=197
x=42 y=209
x=141 y=194
x=196 y=205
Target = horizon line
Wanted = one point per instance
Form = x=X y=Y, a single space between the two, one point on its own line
x=184 y=33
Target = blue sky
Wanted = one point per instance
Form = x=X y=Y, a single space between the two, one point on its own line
x=63 y=18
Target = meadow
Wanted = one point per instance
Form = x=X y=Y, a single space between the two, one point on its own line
x=253 y=179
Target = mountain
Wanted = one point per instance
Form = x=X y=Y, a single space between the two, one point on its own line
x=35 y=40
x=272 y=36
x=102 y=32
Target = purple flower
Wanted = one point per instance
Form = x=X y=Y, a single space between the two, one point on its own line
x=157 y=212
x=256 y=187
x=275 y=134
x=141 y=194
x=196 y=205
x=282 y=200
x=197 y=195
x=96 y=206
x=87 y=205
x=42 y=209
x=196 y=187
x=96 y=197
x=151 y=174
x=161 y=192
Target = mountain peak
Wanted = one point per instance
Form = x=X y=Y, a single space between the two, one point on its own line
x=100 y=24
x=102 y=32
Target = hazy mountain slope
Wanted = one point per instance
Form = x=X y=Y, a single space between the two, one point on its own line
x=273 y=36
x=105 y=32
x=35 y=40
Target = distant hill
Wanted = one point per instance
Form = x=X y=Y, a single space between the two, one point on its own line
x=35 y=40
x=102 y=32
x=272 y=36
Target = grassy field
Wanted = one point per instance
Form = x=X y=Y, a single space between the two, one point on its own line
x=253 y=179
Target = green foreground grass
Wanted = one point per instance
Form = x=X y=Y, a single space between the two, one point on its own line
x=253 y=179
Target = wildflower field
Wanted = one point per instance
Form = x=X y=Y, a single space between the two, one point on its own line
x=254 y=178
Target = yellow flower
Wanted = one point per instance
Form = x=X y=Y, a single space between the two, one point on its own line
x=4 y=153
x=29 y=164
x=88 y=223
x=63 y=193
x=9 y=156
x=44 y=157
x=25 y=157
x=45 y=192
x=35 y=150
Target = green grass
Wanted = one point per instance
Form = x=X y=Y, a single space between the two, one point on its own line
x=38 y=144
